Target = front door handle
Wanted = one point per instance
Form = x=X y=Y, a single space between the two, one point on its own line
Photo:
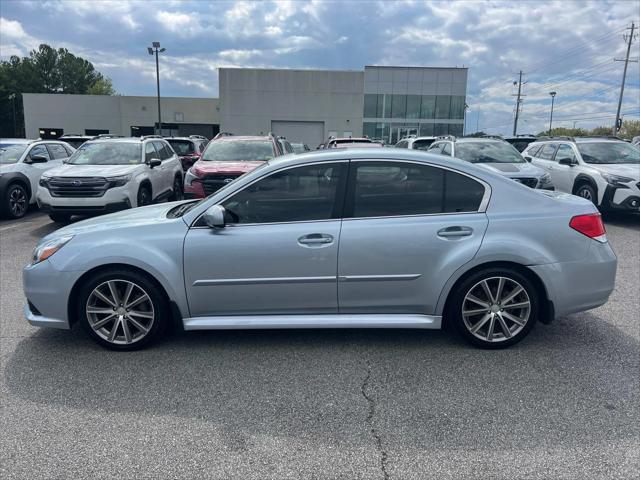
x=316 y=239
x=453 y=232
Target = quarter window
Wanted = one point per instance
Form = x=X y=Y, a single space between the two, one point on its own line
x=546 y=153
x=298 y=194
x=395 y=188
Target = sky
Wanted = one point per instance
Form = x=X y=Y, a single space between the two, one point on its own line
x=563 y=46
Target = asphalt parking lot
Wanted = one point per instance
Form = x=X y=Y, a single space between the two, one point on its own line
x=372 y=404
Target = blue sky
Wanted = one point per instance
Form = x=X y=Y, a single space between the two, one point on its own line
x=560 y=45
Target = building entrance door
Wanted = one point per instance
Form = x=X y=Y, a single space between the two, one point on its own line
x=399 y=133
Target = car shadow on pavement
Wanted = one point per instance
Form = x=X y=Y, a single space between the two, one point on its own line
x=622 y=219
x=573 y=379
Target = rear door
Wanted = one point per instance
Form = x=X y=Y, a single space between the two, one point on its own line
x=407 y=228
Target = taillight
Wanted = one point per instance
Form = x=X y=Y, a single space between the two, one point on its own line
x=590 y=225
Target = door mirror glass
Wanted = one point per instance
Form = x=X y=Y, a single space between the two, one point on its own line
x=37 y=159
x=567 y=161
x=527 y=158
x=214 y=216
x=154 y=162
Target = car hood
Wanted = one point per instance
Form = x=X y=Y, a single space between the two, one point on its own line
x=204 y=167
x=624 y=169
x=152 y=214
x=513 y=169
x=91 y=170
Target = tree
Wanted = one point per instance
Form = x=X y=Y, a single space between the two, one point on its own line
x=45 y=70
x=630 y=129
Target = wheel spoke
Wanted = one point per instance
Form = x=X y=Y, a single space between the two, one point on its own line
x=492 y=323
x=127 y=294
x=516 y=305
x=104 y=298
x=487 y=291
x=468 y=313
x=503 y=326
x=100 y=311
x=480 y=323
x=112 y=333
x=514 y=319
x=512 y=295
x=138 y=313
x=102 y=322
x=500 y=287
x=475 y=299
x=137 y=301
x=114 y=292
x=138 y=325
x=125 y=329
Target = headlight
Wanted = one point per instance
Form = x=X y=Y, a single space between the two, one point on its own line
x=43 y=180
x=616 y=180
x=189 y=177
x=120 y=181
x=546 y=178
x=48 y=248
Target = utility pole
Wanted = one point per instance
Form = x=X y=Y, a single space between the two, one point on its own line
x=629 y=38
x=13 y=104
x=518 y=101
x=553 y=96
x=155 y=49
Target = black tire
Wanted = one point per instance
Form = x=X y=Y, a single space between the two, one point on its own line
x=155 y=293
x=457 y=301
x=15 y=203
x=587 y=191
x=60 y=217
x=178 y=187
x=144 y=196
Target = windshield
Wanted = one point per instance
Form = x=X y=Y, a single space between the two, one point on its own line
x=107 y=153
x=298 y=147
x=422 y=144
x=182 y=147
x=11 y=153
x=488 y=152
x=609 y=152
x=238 y=151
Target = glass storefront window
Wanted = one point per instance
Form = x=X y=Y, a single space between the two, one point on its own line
x=443 y=106
x=369 y=129
x=428 y=107
x=426 y=129
x=457 y=108
x=413 y=106
x=455 y=129
x=441 y=129
x=370 y=105
x=384 y=106
x=399 y=106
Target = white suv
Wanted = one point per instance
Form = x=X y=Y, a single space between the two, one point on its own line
x=603 y=170
x=21 y=164
x=416 y=143
x=110 y=174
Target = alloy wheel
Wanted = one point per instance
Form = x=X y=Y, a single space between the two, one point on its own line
x=17 y=202
x=120 y=312
x=585 y=193
x=496 y=309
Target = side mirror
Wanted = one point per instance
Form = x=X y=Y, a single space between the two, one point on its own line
x=37 y=159
x=154 y=162
x=567 y=161
x=527 y=158
x=214 y=216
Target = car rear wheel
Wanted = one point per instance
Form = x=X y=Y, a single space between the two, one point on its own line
x=122 y=310
x=588 y=192
x=494 y=308
x=15 y=201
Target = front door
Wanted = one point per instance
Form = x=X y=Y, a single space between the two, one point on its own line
x=278 y=253
x=411 y=227
x=563 y=174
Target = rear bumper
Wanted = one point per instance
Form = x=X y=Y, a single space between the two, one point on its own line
x=578 y=286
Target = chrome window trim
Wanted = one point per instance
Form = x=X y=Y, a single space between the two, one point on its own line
x=482 y=208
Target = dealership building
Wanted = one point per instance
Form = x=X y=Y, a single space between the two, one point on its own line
x=307 y=106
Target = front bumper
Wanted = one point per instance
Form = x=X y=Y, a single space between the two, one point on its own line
x=47 y=291
x=114 y=200
x=626 y=199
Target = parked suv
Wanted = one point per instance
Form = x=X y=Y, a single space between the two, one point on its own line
x=228 y=157
x=520 y=142
x=416 y=143
x=603 y=170
x=21 y=164
x=75 y=140
x=188 y=149
x=493 y=154
x=111 y=174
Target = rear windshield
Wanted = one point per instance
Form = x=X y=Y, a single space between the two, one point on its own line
x=609 y=152
x=107 y=153
x=488 y=152
x=182 y=147
x=298 y=147
x=423 y=144
x=238 y=151
x=11 y=153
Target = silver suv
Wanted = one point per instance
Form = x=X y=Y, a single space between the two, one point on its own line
x=493 y=154
x=604 y=170
x=339 y=238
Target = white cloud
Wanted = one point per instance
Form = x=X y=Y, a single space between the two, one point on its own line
x=14 y=40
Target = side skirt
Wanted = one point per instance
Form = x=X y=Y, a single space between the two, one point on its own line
x=313 y=321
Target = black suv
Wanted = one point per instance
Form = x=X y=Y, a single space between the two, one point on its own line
x=188 y=148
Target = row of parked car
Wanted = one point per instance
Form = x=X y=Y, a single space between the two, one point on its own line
x=109 y=173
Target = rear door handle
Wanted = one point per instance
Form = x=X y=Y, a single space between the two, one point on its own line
x=453 y=232
x=316 y=239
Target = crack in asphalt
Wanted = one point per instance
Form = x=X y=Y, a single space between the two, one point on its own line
x=371 y=413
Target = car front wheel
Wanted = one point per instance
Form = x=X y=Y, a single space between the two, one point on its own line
x=122 y=309
x=494 y=308
x=177 y=189
x=15 y=201
x=144 y=196
x=588 y=192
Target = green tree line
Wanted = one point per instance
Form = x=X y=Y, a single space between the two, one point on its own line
x=629 y=129
x=45 y=70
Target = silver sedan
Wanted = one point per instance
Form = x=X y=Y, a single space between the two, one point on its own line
x=375 y=238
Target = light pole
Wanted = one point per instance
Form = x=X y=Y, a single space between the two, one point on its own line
x=13 y=104
x=155 y=50
x=553 y=96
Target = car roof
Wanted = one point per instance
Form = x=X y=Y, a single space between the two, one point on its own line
x=424 y=137
x=168 y=139
x=245 y=138
x=26 y=141
x=477 y=139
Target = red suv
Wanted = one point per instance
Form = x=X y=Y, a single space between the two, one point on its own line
x=225 y=159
